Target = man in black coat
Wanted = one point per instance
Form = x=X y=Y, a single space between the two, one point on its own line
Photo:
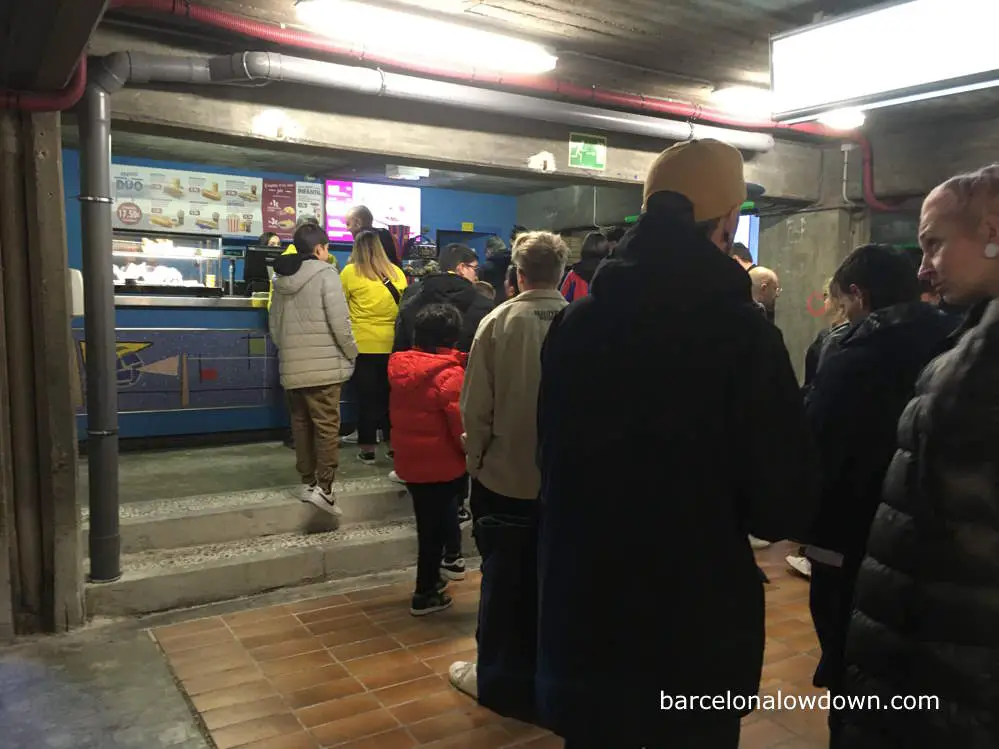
x=926 y=618
x=454 y=285
x=628 y=620
x=853 y=407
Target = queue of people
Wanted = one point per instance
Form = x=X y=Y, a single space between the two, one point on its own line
x=883 y=467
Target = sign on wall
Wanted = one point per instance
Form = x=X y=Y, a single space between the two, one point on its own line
x=170 y=200
x=587 y=151
x=286 y=203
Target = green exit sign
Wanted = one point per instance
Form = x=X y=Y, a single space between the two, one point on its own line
x=587 y=152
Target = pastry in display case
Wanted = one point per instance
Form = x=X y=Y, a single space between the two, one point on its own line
x=175 y=264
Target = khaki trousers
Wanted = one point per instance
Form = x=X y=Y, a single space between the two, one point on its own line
x=315 y=426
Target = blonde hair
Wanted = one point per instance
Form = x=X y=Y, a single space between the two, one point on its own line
x=976 y=193
x=540 y=256
x=370 y=258
x=486 y=289
x=838 y=315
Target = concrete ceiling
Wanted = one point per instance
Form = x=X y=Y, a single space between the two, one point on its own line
x=680 y=48
x=328 y=164
x=41 y=41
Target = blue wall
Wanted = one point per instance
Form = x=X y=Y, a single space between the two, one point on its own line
x=441 y=210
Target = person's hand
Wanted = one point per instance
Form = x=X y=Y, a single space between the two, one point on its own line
x=464 y=439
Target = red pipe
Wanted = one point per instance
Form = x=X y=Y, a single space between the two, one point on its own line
x=537 y=84
x=54 y=101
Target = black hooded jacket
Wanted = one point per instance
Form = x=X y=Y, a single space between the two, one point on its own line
x=493 y=271
x=926 y=619
x=707 y=415
x=445 y=288
x=853 y=408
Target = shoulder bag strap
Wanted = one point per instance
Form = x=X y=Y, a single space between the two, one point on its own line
x=392 y=289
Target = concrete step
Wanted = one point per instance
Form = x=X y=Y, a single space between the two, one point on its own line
x=162 y=579
x=219 y=518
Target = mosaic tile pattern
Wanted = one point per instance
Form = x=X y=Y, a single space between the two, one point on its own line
x=356 y=671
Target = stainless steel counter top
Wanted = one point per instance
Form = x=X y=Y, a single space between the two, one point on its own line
x=185 y=302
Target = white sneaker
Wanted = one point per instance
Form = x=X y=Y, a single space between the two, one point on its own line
x=465 y=678
x=304 y=492
x=349 y=439
x=759 y=543
x=393 y=476
x=801 y=565
x=324 y=501
x=453 y=570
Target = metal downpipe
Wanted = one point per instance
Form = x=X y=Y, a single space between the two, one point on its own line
x=99 y=321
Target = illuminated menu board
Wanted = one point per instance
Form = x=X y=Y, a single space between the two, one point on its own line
x=391 y=205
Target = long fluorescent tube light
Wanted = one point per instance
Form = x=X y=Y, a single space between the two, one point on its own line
x=415 y=37
x=892 y=53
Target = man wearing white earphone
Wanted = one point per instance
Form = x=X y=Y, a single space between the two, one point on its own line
x=925 y=618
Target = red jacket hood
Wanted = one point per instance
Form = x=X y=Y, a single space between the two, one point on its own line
x=413 y=369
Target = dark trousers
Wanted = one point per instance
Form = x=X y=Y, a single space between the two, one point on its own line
x=436 y=528
x=506 y=533
x=371 y=387
x=830 y=599
x=722 y=733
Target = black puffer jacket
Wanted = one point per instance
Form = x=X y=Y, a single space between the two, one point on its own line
x=692 y=369
x=927 y=604
x=442 y=288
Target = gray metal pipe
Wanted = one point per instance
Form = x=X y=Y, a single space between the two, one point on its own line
x=101 y=357
x=271 y=66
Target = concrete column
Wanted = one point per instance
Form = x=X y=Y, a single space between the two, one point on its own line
x=38 y=441
x=805 y=249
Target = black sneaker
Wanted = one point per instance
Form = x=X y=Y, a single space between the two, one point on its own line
x=367 y=458
x=430 y=603
x=453 y=569
x=464 y=517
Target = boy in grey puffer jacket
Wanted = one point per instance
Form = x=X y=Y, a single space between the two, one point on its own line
x=310 y=325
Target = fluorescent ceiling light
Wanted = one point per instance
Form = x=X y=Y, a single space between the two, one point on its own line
x=414 y=37
x=749 y=101
x=886 y=54
x=843 y=119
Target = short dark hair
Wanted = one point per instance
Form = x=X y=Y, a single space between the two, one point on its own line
x=266 y=237
x=308 y=237
x=741 y=252
x=456 y=254
x=883 y=274
x=511 y=277
x=306 y=220
x=437 y=326
x=595 y=245
x=615 y=233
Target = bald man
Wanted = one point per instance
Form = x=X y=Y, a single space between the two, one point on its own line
x=766 y=289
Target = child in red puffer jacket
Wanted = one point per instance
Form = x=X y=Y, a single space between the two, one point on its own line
x=426 y=386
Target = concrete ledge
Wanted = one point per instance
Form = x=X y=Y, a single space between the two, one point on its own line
x=168 y=579
x=218 y=518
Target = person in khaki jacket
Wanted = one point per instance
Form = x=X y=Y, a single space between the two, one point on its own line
x=310 y=325
x=499 y=412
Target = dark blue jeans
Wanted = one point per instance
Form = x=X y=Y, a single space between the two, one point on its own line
x=506 y=533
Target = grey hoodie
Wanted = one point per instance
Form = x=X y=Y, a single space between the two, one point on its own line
x=310 y=324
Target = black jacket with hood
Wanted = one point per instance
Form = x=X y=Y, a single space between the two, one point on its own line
x=701 y=402
x=926 y=619
x=437 y=288
x=493 y=271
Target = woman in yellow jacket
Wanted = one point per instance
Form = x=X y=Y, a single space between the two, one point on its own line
x=373 y=287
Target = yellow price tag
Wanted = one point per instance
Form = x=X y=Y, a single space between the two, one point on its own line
x=465 y=226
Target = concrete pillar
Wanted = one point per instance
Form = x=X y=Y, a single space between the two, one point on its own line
x=805 y=249
x=39 y=518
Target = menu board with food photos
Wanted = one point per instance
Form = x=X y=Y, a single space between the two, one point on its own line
x=165 y=200
x=286 y=203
